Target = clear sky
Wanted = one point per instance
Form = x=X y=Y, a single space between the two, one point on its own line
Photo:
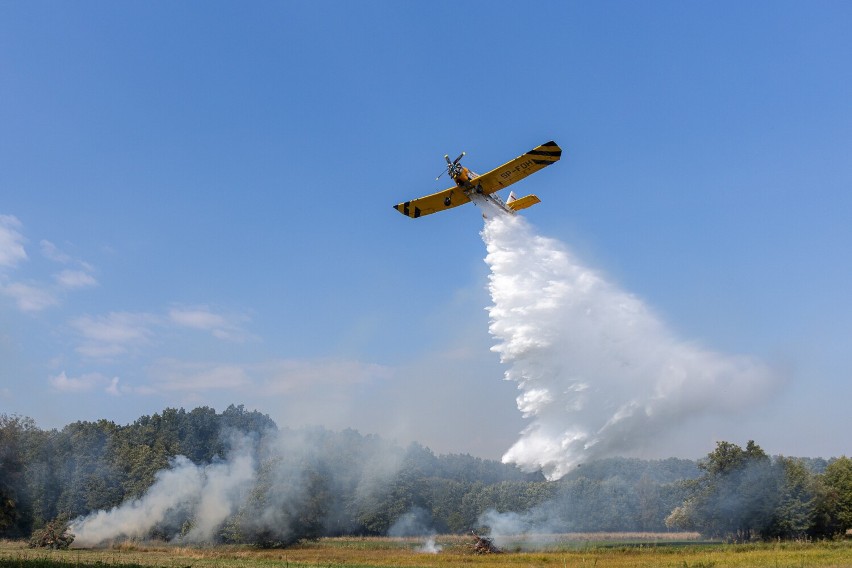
x=196 y=203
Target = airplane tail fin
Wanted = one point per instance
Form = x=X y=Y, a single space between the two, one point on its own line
x=516 y=204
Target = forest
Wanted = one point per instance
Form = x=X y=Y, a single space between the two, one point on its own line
x=236 y=477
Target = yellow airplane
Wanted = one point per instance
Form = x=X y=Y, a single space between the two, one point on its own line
x=470 y=185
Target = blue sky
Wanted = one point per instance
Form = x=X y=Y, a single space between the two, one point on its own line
x=196 y=203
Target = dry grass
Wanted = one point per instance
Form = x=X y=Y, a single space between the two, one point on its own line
x=595 y=550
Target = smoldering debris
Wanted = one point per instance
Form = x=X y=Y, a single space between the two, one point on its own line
x=55 y=534
x=484 y=545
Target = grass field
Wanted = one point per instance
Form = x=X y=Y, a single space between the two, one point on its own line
x=580 y=551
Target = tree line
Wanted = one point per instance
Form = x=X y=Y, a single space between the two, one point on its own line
x=310 y=483
x=744 y=494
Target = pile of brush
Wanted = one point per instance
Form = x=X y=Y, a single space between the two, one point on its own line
x=484 y=545
x=54 y=535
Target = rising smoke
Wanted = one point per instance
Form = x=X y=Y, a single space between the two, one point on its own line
x=275 y=490
x=206 y=494
x=417 y=522
x=599 y=373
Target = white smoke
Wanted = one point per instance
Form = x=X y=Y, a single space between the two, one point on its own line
x=529 y=530
x=272 y=489
x=429 y=547
x=206 y=493
x=417 y=522
x=175 y=489
x=599 y=373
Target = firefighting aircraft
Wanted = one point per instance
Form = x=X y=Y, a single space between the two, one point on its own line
x=470 y=185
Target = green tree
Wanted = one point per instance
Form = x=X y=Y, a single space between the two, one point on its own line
x=43 y=474
x=833 y=502
x=736 y=497
x=91 y=478
x=793 y=515
x=383 y=507
x=247 y=421
x=15 y=508
x=648 y=497
x=199 y=435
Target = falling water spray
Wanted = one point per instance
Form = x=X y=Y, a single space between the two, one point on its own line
x=599 y=373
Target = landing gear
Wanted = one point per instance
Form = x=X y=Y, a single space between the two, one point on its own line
x=447 y=201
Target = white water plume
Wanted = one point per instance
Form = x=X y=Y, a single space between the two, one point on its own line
x=599 y=373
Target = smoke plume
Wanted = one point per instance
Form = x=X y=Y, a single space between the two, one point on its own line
x=206 y=494
x=417 y=522
x=273 y=490
x=599 y=373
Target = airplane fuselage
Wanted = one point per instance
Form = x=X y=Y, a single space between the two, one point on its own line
x=463 y=178
x=466 y=181
x=468 y=185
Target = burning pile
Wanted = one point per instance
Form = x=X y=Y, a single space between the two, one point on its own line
x=484 y=545
x=54 y=535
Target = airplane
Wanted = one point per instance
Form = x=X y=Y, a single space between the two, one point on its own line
x=471 y=186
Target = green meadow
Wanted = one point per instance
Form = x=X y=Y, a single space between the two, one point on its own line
x=598 y=550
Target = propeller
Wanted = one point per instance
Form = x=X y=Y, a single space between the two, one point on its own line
x=452 y=167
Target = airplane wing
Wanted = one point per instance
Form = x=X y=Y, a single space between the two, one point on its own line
x=519 y=168
x=446 y=199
